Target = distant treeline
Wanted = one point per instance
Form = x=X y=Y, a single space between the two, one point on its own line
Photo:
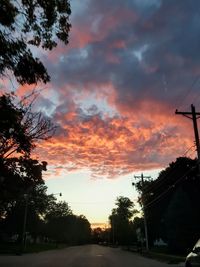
x=171 y=204
x=27 y=212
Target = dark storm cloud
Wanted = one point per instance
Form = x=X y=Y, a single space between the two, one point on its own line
x=142 y=57
x=159 y=55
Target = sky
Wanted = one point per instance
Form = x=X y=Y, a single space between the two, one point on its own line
x=113 y=94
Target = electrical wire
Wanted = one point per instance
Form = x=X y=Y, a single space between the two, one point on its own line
x=170 y=188
x=196 y=99
x=160 y=182
x=153 y=187
x=196 y=80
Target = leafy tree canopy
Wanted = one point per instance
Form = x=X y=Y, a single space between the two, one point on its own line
x=58 y=210
x=120 y=220
x=26 y=23
x=20 y=127
x=19 y=176
x=124 y=208
x=175 y=190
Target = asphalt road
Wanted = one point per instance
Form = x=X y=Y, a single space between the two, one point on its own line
x=82 y=256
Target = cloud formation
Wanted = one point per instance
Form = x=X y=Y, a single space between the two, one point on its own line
x=115 y=87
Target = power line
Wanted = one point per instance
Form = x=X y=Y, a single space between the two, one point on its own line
x=170 y=188
x=196 y=99
x=180 y=104
x=156 y=200
x=158 y=183
x=194 y=116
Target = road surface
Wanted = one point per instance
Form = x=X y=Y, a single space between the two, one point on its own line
x=82 y=256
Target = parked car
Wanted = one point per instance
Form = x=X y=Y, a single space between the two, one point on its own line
x=193 y=258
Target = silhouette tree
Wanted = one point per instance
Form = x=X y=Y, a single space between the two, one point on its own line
x=124 y=207
x=174 y=196
x=31 y=23
x=120 y=220
x=20 y=176
x=20 y=127
x=97 y=235
x=179 y=220
x=25 y=24
x=37 y=202
x=65 y=227
x=57 y=209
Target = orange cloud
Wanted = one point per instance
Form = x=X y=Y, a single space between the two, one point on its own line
x=118 y=145
x=141 y=130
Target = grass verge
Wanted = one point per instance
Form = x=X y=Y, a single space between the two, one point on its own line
x=30 y=248
x=165 y=257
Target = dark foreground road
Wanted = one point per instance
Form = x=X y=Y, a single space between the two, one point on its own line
x=81 y=256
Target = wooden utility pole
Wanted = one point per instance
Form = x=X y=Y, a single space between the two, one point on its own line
x=144 y=211
x=194 y=116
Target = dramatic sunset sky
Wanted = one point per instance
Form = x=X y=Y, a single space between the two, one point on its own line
x=113 y=94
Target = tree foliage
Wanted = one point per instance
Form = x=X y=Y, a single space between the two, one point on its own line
x=180 y=222
x=46 y=218
x=65 y=227
x=57 y=209
x=26 y=23
x=20 y=127
x=36 y=200
x=124 y=208
x=120 y=220
x=171 y=204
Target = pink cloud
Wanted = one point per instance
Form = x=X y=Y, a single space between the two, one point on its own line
x=118 y=145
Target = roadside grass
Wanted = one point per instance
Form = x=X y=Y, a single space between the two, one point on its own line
x=42 y=247
x=158 y=253
x=8 y=248
x=12 y=248
x=162 y=254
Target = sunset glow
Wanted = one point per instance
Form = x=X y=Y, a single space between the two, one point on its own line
x=113 y=94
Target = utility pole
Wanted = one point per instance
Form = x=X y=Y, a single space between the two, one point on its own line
x=143 y=207
x=24 y=223
x=194 y=116
x=113 y=231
